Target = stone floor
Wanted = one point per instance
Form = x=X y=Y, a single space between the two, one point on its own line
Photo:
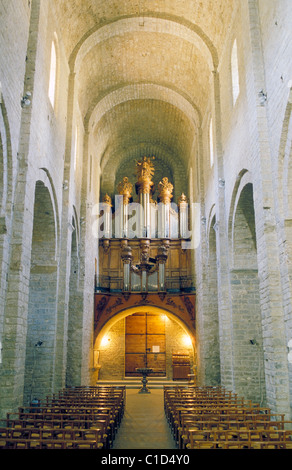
x=144 y=425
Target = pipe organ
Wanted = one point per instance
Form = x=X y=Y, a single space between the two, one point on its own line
x=141 y=243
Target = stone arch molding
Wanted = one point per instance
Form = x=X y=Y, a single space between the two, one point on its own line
x=285 y=163
x=43 y=175
x=212 y=215
x=5 y=161
x=145 y=91
x=143 y=308
x=151 y=23
x=243 y=179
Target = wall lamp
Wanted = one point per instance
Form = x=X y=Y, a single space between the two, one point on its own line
x=263 y=97
x=25 y=101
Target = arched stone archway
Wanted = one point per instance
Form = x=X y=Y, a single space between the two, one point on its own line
x=248 y=361
x=143 y=308
x=109 y=306
x=110 y=342
x=6 y=192
x=43 y=282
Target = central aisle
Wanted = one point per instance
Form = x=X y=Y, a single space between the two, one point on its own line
x=144 y=425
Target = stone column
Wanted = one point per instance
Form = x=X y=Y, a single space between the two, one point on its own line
x=207 y=329
x=16 y=306
x=65 y=247
x=273 y=325
x=222 y=251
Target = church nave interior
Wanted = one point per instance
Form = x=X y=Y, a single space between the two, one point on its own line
x=145 y=209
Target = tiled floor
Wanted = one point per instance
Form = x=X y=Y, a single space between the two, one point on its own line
x=144 y=425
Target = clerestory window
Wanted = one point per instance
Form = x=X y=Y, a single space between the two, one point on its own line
x=211 y=143
x=53 y=74
x=234 y=72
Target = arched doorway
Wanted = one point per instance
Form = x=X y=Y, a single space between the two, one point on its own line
x=41 y=321
x=137 y=336
x=249 y=373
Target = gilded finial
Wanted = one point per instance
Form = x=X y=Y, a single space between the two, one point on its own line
x=125 y=189
x=165 y=190
x=107 y=200
x=182 y=199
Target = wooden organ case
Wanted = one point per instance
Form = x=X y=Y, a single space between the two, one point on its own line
x=146 y=261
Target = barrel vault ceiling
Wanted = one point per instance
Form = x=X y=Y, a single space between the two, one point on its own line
x=144 y=76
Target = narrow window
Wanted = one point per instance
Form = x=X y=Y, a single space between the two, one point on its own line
x=75 y=148
x=53 y=74
x=211 y=143
x=234 y=72
x=90 y=173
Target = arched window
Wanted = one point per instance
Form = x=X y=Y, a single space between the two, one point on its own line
x=211 y=143
x=76 y=143
x=234 y=72
x=53 y=74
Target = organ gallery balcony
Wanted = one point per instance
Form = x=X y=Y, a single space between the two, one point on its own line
x=144 y=246
x=142 y=265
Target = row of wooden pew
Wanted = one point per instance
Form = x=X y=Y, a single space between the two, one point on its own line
x=214 y=418
x=75 y=418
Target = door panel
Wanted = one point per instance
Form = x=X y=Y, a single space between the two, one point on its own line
x=156 y=362
x=156 y=340
x=155 y=324
x=145 y=343
x=134 y=361
x=136 y=324
x=136 y=344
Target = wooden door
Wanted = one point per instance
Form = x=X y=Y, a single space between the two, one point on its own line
x=145 y=343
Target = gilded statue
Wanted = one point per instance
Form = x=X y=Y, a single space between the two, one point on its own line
x=145 y=168
x=145 y=171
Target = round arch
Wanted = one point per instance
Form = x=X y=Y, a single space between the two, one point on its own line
x=243 y=179
x=5 y=162
x=43 y=176
x=143 y=308
x=185 y=29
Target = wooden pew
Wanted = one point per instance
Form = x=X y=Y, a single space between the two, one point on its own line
x=82 y=417
x=10 y=435
x=211 y=418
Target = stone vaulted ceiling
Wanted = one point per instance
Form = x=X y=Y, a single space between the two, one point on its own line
x=144 y=74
